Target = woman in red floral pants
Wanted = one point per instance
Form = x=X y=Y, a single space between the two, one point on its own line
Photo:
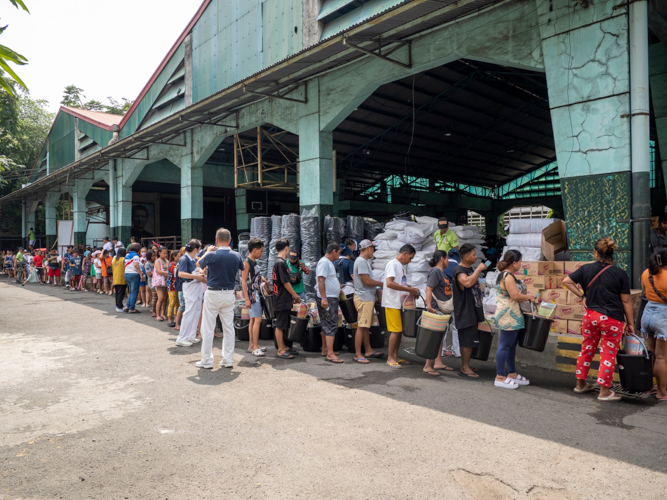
x=607 y=293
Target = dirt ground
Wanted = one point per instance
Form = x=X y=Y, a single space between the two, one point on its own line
x=96 y=404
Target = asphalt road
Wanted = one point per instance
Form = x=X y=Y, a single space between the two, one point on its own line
x=96 y=404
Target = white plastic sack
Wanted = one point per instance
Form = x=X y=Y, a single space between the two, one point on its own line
x=489 y=303
x=431 y=247
x=522 y=226
x=385 y=254
x=416 y=278
x=524 y=240
x=387 y=235
x=420 y=266
x=396 y=225
x=378 y=275
x=474 y=229
x=426 y=220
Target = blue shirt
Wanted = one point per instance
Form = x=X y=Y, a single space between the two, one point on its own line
x=223 y=264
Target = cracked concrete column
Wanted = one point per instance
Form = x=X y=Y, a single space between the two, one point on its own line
x=192 y=199
x=50 y=204
x=587 y=66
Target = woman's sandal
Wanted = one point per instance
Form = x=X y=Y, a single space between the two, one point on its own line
x=585 y=389
x=612 y=397
x=432 y=372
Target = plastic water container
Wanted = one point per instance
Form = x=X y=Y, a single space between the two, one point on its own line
x=348 y=310
x=339 y=339
x=428 y=343
x=241 y=328
x=376 y=335
x=635 y=371
x=268 y=307
x=297 y=328
x=536 y=333
x=410 y=317
x=481 y=352
x=312 y=339
x=349 y=339
x=266 y=331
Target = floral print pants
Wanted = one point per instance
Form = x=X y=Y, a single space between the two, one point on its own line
x=607 y=332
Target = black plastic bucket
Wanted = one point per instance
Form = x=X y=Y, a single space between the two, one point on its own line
x=635 y=371
x=428 y=343
x=382 y=319
x=376 y=335
x=410 y=318
x=536 y=333
x=638 y=320
x=268 y=307
x=241 y=328
x=348 y=310
x=312 y=339
x=297 y=328
x=481 y=352
x=266 y=330
x=339 y=339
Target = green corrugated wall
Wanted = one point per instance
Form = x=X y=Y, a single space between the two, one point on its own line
x=61 y=142
x=99 y=135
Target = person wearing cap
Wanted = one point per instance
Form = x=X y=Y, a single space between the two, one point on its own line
x=223 y=264
x=445 y=238
x=345 y=267
x=116 y=245
x=297 y=269
x=364 y=301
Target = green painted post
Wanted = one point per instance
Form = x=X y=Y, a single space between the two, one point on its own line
x=316 y=166
x=192 y=200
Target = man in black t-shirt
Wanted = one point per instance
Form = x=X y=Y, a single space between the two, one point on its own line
x=284 y=296
x=468 y=309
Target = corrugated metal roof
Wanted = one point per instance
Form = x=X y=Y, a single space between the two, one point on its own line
x=104 y=120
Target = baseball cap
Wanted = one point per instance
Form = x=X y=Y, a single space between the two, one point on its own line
x=366 y=244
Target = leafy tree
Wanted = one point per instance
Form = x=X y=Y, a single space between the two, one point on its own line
x=73 y=97
x=94 y=105
x=7 y=55
x=116 y=108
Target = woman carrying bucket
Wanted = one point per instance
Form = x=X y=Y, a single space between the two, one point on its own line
x=438 y=299
x=654 y=319
x=509 y=318
x=608 y=308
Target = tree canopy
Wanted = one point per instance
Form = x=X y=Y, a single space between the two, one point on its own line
x=8 y=55
x=74 y=97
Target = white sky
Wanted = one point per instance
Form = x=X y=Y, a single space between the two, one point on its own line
x=107 y=48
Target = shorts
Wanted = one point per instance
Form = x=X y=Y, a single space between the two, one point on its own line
x=98 y=275
x=53 y=272
x=654 y=320
x=328 y=317
x=143 y=283
x=256 y=310
x=282 y=320
x=181 y=302
x=468 y=337
x=365 y=310
x=394 y=320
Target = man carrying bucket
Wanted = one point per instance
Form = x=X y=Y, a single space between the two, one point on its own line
x=285 y=296
x=395 y=289
x=328 y=292
x=364 y=301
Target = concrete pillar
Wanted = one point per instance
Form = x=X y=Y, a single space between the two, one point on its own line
x=587 y=66
x=192 y=199
x=123 y=214
x=51 y=218
x=242 y=218
x=316 y=166
x=81 y=188
x=111 y=181
x=658 y=84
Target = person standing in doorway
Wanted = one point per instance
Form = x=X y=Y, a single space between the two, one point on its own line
x=445 y=238
x=328 y=293
x=394 y=291
x=365 y=291
x=32 y=239
x=468 y=309
x=658 y=236
x=190 y=281
x=119 y=282
x=284 y=296
x=251 y=282
x=223 y=264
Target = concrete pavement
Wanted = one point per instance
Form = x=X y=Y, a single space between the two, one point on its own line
x=97 y=404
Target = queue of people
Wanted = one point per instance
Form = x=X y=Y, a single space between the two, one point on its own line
x=195 y=286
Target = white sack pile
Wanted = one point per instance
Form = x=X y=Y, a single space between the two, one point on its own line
x=471 y=235
x=526 y=237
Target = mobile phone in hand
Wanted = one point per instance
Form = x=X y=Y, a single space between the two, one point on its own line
x=487 y=263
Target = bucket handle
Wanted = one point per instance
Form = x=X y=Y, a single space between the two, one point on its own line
x=641 y=341
x=236 y=325
x=419 y=296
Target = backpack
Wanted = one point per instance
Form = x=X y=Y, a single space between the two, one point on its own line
x=341 y=273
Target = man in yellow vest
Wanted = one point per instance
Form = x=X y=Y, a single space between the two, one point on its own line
x=445 y=239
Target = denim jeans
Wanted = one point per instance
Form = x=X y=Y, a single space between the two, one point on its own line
x=506 y=352
x=654 y=320
x=133 y=283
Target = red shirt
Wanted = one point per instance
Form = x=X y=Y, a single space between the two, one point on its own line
x=38 y=260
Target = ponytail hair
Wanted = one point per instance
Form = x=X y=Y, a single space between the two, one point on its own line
x=605 y=248
x=437 y=255
x=657 y=261
x=510 y=257
x=192 y=245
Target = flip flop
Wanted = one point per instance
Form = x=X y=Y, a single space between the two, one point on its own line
x=660 y=399
x=361 y=360
x=325 y=355
x=612 y=397
x=393 y=365
x=336 y=361
x=375 y=354
x=585 y=389
x=469 y=375
x=284 y=355
x=432 y=372
x=447 y=368
x=403 y=362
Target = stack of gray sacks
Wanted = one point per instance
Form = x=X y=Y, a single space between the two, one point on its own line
x=260 y=227
x=276 y=232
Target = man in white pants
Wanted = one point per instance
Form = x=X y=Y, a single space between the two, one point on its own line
x=223 y=265
x=190 y=281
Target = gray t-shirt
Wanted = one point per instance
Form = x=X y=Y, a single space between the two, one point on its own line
x=364 y=292
x=440 y=284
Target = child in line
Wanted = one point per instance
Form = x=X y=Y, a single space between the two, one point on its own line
x=143 y=290
x=149 y=267
x=76 y=270
x=9 y=264
x=32 y=277
x=171 y=286
x=85 y=271
x=97 y=264
x=107 y=259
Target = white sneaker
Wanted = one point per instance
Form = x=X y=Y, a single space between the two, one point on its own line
x=258 y=353
x=194 y=341
x=263 y=349
x=119 y=309
x=183 y=344
x=225 y=365
x=199 y=364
